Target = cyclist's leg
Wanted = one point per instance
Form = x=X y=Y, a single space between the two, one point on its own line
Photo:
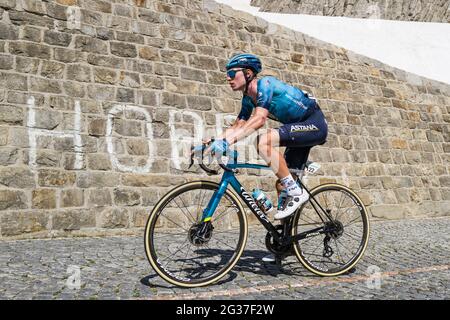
x=296 y=157
x=267 y=148
x=308 y=133
x=298 y=137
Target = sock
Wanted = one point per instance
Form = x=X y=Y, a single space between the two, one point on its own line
x=291 y=186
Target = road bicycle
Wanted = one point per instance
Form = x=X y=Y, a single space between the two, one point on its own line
x=197 y=232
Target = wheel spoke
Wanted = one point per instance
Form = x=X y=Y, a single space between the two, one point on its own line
x=179 y=249
x=217 y=240
x=217 y=260
x=339 y=253
x=326 y=202
x=169 y=235
x=337 y=215
x=176 y=224
x=339 y=207
x=310 y=219
x=339 y=210
x=184 y=261
x=189 y=213
x=317 y=247
x=227 y=231
x=351 y=235
x=352 y=221
x=222 y=214
x=173 y=253
x=347 y=246
x=200 y=204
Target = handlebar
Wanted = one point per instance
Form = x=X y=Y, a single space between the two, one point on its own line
x=199 y=151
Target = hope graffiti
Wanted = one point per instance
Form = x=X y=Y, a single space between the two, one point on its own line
x=180 y=139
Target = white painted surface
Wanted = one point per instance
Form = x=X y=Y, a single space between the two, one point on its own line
x=78 y=143
x=34 y=133
x=110 y=143
x=422 y=48
x=181 y=139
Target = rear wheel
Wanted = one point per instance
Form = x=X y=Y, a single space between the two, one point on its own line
x=187 y=252
x=344 y=240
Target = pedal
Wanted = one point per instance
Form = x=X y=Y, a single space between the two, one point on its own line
x=278 y=261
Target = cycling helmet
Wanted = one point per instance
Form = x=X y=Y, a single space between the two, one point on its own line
x=245 y=60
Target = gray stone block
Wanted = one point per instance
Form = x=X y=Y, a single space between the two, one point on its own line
x=17 y=177
x=13 y=200
x=114 y=218
x=11 y=115
x=122 y=49
x=57 y=38
x=73 y=219
x=21 y=222
x=55 y=178
x=88 y=44
x=43 y=199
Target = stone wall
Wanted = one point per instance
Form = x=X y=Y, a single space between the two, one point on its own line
x=96 y=97
x=407 y=10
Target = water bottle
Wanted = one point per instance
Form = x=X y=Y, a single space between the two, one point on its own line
x=262 y=201
x=282 y=197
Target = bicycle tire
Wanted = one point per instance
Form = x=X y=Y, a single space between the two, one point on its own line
x=152 y=255
x=364 y=240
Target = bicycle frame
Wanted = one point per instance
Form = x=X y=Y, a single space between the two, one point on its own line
x=229 y=178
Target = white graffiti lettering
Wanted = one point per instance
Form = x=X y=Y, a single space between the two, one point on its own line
x=34 y=133
x=180 y=139
x=110 y=145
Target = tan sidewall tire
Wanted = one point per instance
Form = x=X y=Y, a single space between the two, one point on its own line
x=153 y=215
x=299 y=256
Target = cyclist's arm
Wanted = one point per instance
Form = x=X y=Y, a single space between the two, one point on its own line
x=259 y=118
x=246 y=128
x=236 y=125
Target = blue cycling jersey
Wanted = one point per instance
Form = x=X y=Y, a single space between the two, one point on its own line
x=287 y=104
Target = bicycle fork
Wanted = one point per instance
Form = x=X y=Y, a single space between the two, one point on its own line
x=214 y=202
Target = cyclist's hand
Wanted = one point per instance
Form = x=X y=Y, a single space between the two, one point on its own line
x=196 y=152
x=219 y=147
x=206 y=141
x=197 y=149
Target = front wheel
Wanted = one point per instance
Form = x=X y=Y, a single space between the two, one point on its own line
x=344 y=230
x=186 y=251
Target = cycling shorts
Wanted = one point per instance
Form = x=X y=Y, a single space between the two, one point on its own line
x=299 y=137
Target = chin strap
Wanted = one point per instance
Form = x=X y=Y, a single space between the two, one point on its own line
x=247 y=82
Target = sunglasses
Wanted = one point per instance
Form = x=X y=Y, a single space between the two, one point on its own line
x=232 y=73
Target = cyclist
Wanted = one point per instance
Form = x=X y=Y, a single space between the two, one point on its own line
x=303 y=124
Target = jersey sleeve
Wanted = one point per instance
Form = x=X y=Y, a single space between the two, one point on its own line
x=265 y=93
x=246 y=110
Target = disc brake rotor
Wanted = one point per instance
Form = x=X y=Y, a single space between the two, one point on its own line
x=200 y=233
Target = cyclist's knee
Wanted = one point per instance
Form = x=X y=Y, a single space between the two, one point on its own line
x=266 y=140
x=261 y=142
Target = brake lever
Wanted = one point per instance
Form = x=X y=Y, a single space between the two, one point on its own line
x=195 y=150
x=192 y=157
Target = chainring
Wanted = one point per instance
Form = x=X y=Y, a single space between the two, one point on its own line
x=275 y=247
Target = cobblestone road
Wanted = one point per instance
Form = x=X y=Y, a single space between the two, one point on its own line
x=412 y=256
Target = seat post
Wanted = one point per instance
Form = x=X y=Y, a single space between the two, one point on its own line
x=305 y=158
x=300 y=172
